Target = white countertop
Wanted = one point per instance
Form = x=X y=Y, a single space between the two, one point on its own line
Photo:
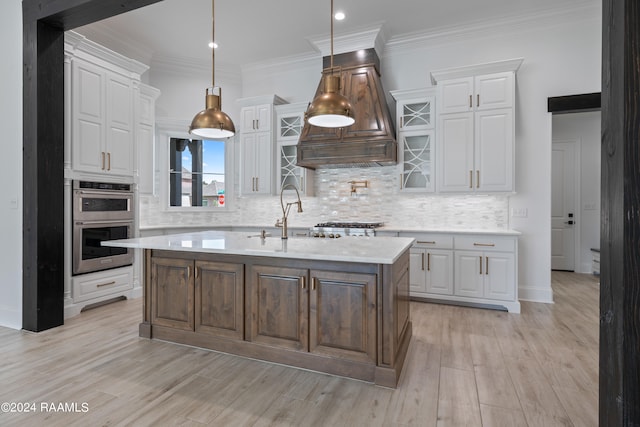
x=391 y=228
x=375 y=250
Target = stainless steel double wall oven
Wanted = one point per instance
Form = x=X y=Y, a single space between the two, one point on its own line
x=101 y=211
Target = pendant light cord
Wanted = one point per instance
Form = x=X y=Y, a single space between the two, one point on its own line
x=213 y=41
x=331 y=62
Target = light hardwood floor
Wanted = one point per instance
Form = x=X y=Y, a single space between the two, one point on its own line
x=465 y=367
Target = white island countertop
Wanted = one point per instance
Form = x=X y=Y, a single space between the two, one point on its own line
x=376 y=250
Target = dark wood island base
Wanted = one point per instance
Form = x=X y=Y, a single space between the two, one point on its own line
x=342 y=318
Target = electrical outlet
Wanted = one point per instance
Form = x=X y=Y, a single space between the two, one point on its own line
x=519 y=212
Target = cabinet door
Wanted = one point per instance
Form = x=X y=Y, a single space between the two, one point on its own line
x=455 y=152
x=494 y=150
x=88 y=116
x=248 y=147
x=416 y=114
x=494 y=91
x=499 y=276
x=119 y=138
x=278 y=303
x=290 y=126
x=172 y=293
x=417 y=276
x=342 y=315
x=264 y=163
x=439 y=272
x=456 y=95
x=248 y=119
x=416 y=154
x=219 y=299
x=468 y=275
x=289 y=172
x=263 y=117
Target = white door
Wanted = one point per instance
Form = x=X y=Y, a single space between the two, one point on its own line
x=563 y=213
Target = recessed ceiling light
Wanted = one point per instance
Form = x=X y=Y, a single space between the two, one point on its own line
x=213 y=45
x=339 y=16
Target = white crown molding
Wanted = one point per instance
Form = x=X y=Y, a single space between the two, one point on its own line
x=372 y=36
x=77 y=45
x=150 y=91
x=472 y=70
x=262 y=99
x=404 y=94
x=511 y=24
x=194 y=67
x=284 y=63
x=125 y=45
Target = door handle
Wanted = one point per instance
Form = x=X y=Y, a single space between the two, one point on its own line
x=570 y=222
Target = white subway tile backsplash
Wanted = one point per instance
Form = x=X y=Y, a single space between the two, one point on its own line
x=380 y=201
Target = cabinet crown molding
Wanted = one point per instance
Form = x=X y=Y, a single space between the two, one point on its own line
x=258 y=100
x=77 y=45
x=472 y=70
x=403 y=94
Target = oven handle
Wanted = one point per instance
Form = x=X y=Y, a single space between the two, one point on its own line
x=105 y=222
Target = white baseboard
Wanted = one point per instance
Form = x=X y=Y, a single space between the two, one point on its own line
x=535 y=294
x=10 y=317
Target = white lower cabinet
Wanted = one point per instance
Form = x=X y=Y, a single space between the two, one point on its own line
x=462 y=268
x=484 y=275
x=96 y=287
x=430 y=264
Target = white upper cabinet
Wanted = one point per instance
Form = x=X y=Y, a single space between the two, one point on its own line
x=290 y=121
x=476 y=93
x=257 y=145
x=475 y=128
x=103 y=96
x=256 y=118
x=415 y=119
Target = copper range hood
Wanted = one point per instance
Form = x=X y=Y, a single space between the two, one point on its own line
x=370 y=141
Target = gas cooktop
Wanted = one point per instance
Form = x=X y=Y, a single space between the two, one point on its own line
x=340 y=224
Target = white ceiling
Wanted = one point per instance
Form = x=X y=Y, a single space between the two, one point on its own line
x=253 y=31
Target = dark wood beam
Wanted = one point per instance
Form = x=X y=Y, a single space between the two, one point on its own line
x=44 y=23
x=574 y=103
x=620 y=216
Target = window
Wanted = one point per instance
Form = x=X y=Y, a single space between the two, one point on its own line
x=196 y=172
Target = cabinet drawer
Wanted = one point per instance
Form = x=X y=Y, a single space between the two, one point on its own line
x=100 y=284
x=485 y=243
x=430 y=240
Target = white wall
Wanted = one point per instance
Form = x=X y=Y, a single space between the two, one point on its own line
x=584 y=128
x=562 y=55
x=11 y=170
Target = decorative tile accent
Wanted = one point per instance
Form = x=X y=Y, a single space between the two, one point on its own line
x=381 y=201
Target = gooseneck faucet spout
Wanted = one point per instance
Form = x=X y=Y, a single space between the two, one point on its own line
x=286 y=208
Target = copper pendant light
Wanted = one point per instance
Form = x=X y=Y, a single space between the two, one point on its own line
x=212 y=122
x=330 y=109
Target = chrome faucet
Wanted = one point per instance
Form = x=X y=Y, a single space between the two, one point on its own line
x=286 y=208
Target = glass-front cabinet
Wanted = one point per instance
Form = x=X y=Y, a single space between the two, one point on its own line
x=290 y=121
x=416 y=158
x=415 y=120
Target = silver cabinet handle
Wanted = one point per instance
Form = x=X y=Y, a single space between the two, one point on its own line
x=477 y=100
x=426 y=243
x=477 y=179
x=470 y=101
x=470 y=179
x=486 y=263
x=105 y=284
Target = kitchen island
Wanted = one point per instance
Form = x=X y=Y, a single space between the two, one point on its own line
x=339 y=306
